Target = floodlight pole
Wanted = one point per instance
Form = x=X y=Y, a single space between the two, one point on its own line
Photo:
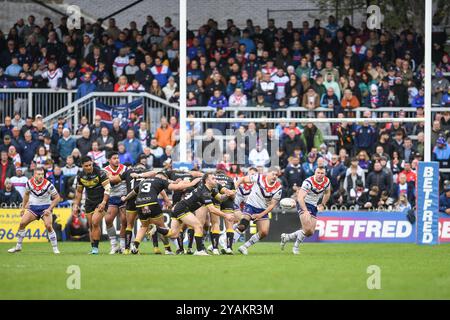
x=182 y=77
x=427 y=105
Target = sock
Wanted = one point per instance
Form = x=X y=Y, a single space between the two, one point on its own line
x=155 y=240
x=95 y=243
x=163 y=231
x=180 y=242
x=236 y=235
x=122 y=243
x=293 y=235
x=167 y=247
x=211 y=238
x=199 y=242
x=190 y=237
x=53 y=240
x=128 y=235
x=20 y=236
x=300 y=237
x=230 y=239
x=136 y=244
x=112 y=234
x=254 y=239
x=215 y=235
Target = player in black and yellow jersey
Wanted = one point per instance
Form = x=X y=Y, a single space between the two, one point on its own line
x=177 y=196
x=225 y=201
x=148 y=208
x=96 y=183
x=130 y=182
x=202 y=195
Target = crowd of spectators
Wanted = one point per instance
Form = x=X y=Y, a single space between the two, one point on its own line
x=337 y=67
x=42 y=55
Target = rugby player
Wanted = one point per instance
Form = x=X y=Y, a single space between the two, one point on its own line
x=148 y=208
x=39 y=200
x=115 y=204
x=312 y=190
x=182 y=212
x=98 y=188
x=263 y=198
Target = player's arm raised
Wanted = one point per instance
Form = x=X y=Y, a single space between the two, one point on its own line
x=196 y=174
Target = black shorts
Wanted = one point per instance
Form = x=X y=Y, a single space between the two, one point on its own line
x=90 y=206
x=149 y=211
x=180 y=210
x=227 y=206
x=131 y=206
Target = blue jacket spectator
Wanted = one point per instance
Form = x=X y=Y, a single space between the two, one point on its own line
x=132 y=145
x=218 y=100
x=445 y=102
x=418 y=100
x=29 y=148
x=441 y=153
x=14 y=68
x=124 y=156
x=365 y=137
x=86 y=87
x=66 y=145
x=161 y=72
x=330 y=100
x=444 y=201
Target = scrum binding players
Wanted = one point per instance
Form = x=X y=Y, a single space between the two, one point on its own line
x=97 y=186
x=147 y=205
x=202 y=195
x=38 y=202
x=265 y=195
x=312 y=190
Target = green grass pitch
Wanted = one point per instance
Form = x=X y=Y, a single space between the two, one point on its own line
x=321 y=271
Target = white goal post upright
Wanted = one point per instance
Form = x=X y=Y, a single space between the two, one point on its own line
x=183 y=77
x=428 y=48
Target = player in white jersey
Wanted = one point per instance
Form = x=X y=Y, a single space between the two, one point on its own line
x=116 y=207
x=39 y=200
x=314 y=189
x=265 y=195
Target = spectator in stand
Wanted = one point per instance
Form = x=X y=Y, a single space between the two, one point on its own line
x=65 y=145
x=9 y=196
x=311 y=100
x=7 y=169
x=121 y=85
x=124 y=156
x=164 y=134
x=98 y=156
x=105 y=141
x=294 y=175
x=444 y=201
x=259 y=156
x=312 y=137
x=156 y=153
x=445 y=101
x=143 y=134
x=14 y=156
x=441 y=153
x=170 y=91
x=160 y=72
x=70 y=169
x=330 y=101
x=310 y=166
x=403 y=187
x=238 y=98
x=19 y=181
x=132 y=145
x=419 y=99
x=29 y=148
x=86 y=87
x=117 y=132
x=84 y=143
x=155 y=89
x=218 y=100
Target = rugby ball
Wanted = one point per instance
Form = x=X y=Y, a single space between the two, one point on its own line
x=287 y=203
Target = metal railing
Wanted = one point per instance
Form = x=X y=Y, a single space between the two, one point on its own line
x=31 y=102
x=154 y=107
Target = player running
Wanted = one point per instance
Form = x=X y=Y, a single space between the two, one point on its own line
x=39 y=200
x=115 y=205
x=202 y=195
x=148 y=208
x=98 y=188
x=263 y=198
x=312 y=190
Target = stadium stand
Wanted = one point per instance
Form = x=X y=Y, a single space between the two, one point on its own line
x=327 y=69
